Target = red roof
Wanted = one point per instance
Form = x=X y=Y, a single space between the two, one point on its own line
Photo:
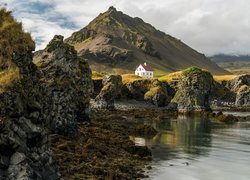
x=146 y=67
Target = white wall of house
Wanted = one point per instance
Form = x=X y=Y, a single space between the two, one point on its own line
x=140 y=71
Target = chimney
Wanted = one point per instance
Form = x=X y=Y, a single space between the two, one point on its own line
x=145 y=64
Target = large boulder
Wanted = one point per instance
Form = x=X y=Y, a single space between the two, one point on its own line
x=243 y=96
x=236 y=83
x=111 y=89
x=194 y=90
x=150 y=90
x=24 y=146
x=68 y=84
x=241 y=87
x=158 y=95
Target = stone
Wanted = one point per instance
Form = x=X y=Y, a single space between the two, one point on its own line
x=241 y=87
x=67 y=86
x=17 y=158
x=193 y=91
x=112 y=85
x=20 y=89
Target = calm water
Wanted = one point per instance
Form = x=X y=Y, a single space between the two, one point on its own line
x=198 y=149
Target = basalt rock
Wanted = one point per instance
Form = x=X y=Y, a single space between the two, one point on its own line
x=24 y=147
x=68 y=84
x=193 y=92
x=111 y=89
x=151 y=90
x=243 y=96
x=241 y=87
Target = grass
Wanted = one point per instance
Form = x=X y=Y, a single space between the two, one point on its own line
x=224 y=77
x=171 y=77
x=96 y=75
x=7 y=77
x=127 y=78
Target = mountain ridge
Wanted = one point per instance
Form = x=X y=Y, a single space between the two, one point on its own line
x=116 y=42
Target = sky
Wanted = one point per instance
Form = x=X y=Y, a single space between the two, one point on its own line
x=209 y=26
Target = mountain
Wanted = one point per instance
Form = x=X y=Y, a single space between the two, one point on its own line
x=115 y=42
x=236 y=64
x=229 y=58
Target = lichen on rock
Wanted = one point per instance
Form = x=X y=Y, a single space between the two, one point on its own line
x=112 y=85
x=194 y=90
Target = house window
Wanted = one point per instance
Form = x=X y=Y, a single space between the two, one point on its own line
x=138 y=74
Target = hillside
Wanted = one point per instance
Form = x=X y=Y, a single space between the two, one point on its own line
x=234 y=64
x=115 y=42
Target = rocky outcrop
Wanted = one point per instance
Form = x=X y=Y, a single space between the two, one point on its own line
x=151 y=90
x=194 y=90
x=243 y=96
x=241 y=87
x=146 y=46
x=237 y=82
x=24 y=147
x=68 y=84
x=111 y=89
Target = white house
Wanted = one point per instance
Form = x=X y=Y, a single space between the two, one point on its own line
x=144 y=71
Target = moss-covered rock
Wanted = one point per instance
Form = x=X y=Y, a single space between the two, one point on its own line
x=151 y=90
x=111 y=89
x=194 y=90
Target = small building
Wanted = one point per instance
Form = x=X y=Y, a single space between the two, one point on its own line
x=145 y=71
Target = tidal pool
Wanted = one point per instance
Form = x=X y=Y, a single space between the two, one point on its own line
x=199 y=149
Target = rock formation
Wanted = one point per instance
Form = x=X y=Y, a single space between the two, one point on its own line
x=151 y=90
x=111 y=89
x=24 y=147
x=194 y=90
x=68 y=84
x=241 y=87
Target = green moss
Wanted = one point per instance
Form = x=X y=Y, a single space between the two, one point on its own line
x=8 y=77
x=192 y=70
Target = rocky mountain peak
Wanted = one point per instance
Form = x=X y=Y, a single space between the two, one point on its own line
x=117 y=41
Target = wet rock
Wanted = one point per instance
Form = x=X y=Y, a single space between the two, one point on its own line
x=67 y=81
x=111 y=89
x=228 y=118
x=194 y=90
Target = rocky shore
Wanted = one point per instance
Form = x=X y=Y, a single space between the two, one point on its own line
x=50 y=129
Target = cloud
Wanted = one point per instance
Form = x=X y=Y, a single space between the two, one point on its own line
x=209 y=26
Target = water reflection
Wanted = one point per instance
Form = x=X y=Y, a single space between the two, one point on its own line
x=186 y=135
x=177 y=136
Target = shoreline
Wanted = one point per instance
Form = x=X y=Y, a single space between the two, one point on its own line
x=103 y=148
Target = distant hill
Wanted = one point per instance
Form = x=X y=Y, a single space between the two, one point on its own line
x=115 y=42
x=229 y=58
x=235 y=64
